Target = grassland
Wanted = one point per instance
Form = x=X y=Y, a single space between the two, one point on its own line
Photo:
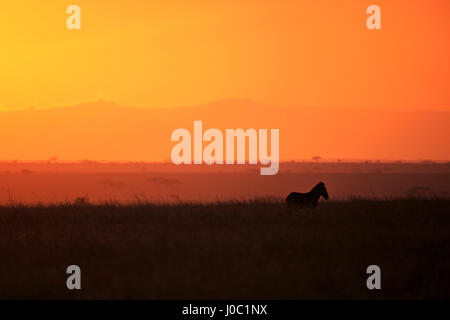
x=234 y=250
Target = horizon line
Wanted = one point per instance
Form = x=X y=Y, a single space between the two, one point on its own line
x=296 y=161
x=220 y=100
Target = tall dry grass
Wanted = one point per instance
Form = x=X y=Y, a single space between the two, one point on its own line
x=233 y=250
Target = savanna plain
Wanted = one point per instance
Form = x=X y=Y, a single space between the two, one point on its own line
x=253 y=249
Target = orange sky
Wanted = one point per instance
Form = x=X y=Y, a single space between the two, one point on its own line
x=306 y=54
x=175 y=53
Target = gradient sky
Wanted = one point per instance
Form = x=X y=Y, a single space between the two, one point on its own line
x=179 y=52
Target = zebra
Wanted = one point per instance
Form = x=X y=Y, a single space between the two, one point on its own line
x=309 y=199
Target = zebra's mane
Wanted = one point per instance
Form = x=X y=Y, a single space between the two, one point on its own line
x=318 y=186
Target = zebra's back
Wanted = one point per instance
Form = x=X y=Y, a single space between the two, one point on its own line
x=302 y=199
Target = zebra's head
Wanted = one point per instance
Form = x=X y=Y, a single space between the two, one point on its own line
x=322 y=190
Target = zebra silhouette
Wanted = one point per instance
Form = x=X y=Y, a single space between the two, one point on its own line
x=308 y=199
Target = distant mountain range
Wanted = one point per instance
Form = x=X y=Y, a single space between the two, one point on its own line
x=103 y=130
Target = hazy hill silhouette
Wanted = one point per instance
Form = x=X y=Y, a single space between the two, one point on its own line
x=103 y=130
